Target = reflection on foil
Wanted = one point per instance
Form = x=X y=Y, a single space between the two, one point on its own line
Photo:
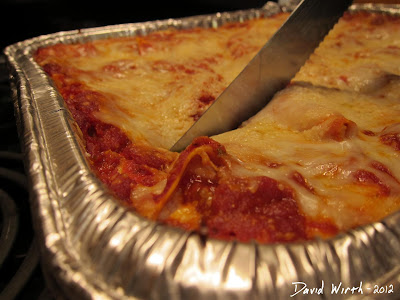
x=236 y=282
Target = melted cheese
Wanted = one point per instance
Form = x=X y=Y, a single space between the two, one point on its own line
x=327 y=163
x=158 y=85
x=332 y=136
x=360 y=54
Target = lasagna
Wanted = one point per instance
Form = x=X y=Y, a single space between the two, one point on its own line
x=320 y=159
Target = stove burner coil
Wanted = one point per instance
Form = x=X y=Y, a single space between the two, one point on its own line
x=11 y=227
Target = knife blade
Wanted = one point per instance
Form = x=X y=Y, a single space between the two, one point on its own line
x=270 y=70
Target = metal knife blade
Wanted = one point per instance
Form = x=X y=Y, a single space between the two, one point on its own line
x=270 y=70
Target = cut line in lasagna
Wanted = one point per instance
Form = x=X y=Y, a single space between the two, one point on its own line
x=320 y=159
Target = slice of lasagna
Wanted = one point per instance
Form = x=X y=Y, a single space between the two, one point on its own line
x=321 y=159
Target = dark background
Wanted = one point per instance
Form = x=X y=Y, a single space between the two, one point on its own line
x=23 y=19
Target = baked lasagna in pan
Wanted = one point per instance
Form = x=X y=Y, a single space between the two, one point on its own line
x=320 y=159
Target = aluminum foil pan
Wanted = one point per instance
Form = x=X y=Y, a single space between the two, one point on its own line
x=92 y=248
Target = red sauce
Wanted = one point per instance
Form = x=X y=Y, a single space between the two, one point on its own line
x=344 y=79
x=381 y=167
x=106 y=166
x=267 y=214
x=120 y=66
x=322 y=228
x=206 y=98
x=392 y=140
x=369 y=132
x=257 y=208
x=298 y=178
x=367 y=178
x=377 y=20
x=340 y=129
x=119 y=163
x=162 y=65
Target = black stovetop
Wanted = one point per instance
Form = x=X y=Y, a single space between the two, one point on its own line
x=20 y=272
x=23 y=19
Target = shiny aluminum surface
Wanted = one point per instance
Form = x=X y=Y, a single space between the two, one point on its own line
x=93 y=248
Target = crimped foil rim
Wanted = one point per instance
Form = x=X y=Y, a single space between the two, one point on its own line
x=94 y=248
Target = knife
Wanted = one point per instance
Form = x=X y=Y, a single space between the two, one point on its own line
x=270 y=70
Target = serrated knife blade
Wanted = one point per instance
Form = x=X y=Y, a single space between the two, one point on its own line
x=270 y=70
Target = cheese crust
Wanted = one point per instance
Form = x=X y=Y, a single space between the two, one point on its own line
x=320 y=159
